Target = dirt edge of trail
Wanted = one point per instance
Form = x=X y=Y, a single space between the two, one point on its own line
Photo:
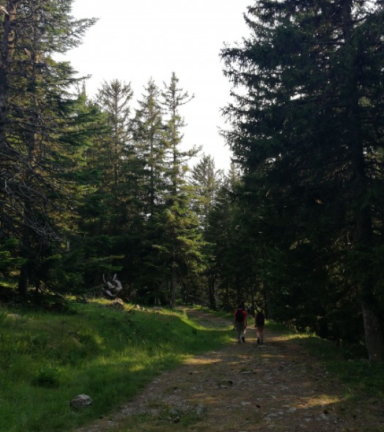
x=246 y=387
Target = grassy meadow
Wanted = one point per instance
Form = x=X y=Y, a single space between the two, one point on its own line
x=46 y=359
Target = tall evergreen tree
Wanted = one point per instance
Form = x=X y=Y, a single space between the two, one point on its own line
x=114 y=99
x=310 y=129
x=181 y=241
x=148 y=129
x=36 y=111
x=206 y=182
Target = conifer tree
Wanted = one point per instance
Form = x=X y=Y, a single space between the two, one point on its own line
x=147 y=130
x=36 y=110
x=180 y=240
x=114 y=99
x=309 y=129
x=206 y=182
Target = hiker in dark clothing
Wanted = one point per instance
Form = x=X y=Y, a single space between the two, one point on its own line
x=259 y=324
x=240 y=323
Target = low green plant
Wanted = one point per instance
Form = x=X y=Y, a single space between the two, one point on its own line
x=48 y=376
x=3 y=315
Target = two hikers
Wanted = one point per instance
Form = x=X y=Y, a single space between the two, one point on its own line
x=240 y=323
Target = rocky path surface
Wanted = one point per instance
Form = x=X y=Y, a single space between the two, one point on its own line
x=244 y=388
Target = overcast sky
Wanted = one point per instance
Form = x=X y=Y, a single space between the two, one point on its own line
x=135 y=40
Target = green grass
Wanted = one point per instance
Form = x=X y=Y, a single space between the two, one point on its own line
x=46 y=359
x=351 y=366
x=349 y=362
x=281 y=328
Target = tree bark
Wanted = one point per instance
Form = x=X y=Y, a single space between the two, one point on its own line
x=23 y=280
x=212 y=300
x=7 y=48
x=173 y=286
x=363 y=231
x=373 y=332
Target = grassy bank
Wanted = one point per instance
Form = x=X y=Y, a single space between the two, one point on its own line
x=348 y=362
x=46 y=359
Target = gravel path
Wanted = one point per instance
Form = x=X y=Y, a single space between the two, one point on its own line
x=244 y=388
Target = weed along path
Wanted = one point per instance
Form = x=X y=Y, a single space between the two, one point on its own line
x=244 y=388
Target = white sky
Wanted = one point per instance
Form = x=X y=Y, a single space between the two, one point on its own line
x=135 y=40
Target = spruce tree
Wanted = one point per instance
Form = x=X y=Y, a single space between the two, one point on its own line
x=180 y=239
x=309 y=130
x=36 y=111
x=206 y=182
x=147 y=131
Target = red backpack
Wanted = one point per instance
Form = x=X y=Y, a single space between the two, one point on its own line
x=239 y=316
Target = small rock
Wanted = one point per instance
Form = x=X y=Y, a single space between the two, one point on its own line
x=80 y=401
x=200 y=410
x=245 y=403
x=226 y=382
x=271 y=416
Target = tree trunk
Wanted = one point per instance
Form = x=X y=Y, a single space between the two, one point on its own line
x=363 y=231
x=373 y=326
x=173 y=286
x=212 y=300
x=23 y=280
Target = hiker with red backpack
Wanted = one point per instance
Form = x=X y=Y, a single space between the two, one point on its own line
x=240 y=323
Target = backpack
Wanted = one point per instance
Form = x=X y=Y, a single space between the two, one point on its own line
x=239 y=316
x=260 y=319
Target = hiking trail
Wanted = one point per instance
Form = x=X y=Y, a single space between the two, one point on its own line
x=244 y=388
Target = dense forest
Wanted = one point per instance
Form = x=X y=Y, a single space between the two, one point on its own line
x=92 y=187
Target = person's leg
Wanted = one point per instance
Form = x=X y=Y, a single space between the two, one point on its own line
x=238 y=332
x=258 y=334
x=262 y=335
x=243 y=334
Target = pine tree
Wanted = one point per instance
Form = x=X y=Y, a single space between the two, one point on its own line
x=309 y=130
x=36 y=111
x=180 y=240
x=114 y=99
x=206 y=182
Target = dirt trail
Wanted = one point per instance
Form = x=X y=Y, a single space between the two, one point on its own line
x=244 y=388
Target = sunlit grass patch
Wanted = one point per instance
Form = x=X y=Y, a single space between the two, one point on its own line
x=47 y=359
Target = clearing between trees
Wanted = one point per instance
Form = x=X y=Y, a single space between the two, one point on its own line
x=245 y=387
